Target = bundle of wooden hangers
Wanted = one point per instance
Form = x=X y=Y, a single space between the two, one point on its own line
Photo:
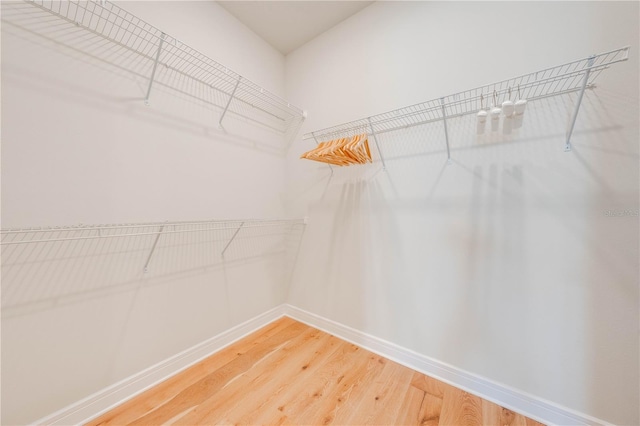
x=342 y=152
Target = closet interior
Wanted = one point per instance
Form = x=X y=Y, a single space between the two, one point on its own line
x=156 y=210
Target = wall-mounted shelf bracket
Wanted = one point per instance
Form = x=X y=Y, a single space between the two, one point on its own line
x=155 y=67
x=375 y=139
x=153 y=248
x=446 y=132
x=226 y=107
x=231 y=240
x=585 y=80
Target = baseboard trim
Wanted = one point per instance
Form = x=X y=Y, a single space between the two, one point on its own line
x=106 y=399
x=529 y=405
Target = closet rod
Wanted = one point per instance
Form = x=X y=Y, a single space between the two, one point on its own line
x=553 y=81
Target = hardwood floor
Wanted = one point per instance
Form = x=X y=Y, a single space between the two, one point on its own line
x=290 y=373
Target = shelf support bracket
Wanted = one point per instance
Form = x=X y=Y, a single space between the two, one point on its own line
x=318 y=143
x=231 y=240
x=375 y=139
x=226 y=107
x=585 y=80
x=153 y=248
x=155 y=67
x=446 y=132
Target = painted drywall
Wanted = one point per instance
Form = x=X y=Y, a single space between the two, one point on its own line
x=518 y=262
x=80 y=146
x=229 y=41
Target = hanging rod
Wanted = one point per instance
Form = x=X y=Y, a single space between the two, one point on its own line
x=70 y=233
x=551 y=81
x=167 y=55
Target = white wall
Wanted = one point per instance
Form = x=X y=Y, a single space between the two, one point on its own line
x=504 y=263
x=80 y=146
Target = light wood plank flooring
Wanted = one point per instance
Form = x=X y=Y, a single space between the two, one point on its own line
x=290 y=373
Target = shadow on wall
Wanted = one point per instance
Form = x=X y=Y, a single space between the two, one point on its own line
x=198 y=106
x=485 y=243
x=611 y=251
x=545 y=119
x=502 y=263
x=347 y=272
x=45 y=269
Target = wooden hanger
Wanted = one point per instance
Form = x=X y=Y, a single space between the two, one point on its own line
x=342 y=152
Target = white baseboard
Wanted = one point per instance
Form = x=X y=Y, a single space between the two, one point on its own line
x=521 y=402
x=114 y=395
x=531 y=406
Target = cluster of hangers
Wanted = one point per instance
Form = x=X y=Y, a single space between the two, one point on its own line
x=342 y=152
x=513 y=113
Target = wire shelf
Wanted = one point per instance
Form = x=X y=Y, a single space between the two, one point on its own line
x=536 y=85
x=148 y=52
x=47 y=266
x=91 y=232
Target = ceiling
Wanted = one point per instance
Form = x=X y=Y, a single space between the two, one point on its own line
x=287 y=25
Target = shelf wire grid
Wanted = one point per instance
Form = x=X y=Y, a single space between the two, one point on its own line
x=20 y=236
x=134 y=45
x=52 y=264
x=552 y=81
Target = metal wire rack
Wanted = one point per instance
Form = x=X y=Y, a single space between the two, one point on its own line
x=51 y=264
x=570 y=77
x=148 y=52
x=89 y=232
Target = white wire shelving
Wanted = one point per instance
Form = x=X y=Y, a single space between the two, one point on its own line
x=47 y=264
x=148 y=52
x=19 y=236
x=574 y=76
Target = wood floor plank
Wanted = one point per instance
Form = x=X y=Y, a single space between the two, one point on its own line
x=163 y=392
x=192 y=396
x=493 y=414
x=460 y=408
x=341 y=386
x=272 y=408
x=429 y=385
x=419 y=408
x=531 y=422
x=290 y=373
x=309 y=404
x=236 y=397
x=215 y=408
x=383 y=399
